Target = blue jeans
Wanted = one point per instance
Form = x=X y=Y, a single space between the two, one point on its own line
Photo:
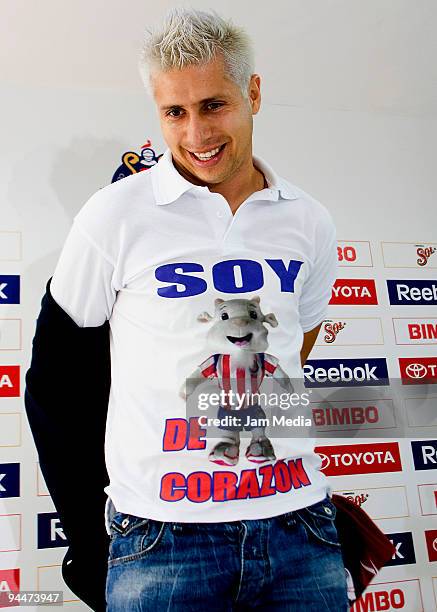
x=288 y=563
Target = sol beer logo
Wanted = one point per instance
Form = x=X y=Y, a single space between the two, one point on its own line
x=409 y=255
x=354 y=291
x=331 y=329
x=357 y=498
x=351 y=459
x=380 y=502
x=424 y=253
x=351 y=331
x=418 y=370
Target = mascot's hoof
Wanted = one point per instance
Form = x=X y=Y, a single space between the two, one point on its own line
x=260 y=450
x=225 y=453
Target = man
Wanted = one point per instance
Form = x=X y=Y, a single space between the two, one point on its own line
x=210 y=227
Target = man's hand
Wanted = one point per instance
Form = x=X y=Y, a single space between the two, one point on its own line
x=309 y=339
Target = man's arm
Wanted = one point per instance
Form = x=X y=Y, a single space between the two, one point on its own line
x=317 y=288
x=309 y=339
x=66 y=399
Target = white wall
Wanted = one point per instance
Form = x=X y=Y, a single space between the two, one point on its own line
x=349 y=114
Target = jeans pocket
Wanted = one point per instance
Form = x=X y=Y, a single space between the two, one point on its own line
x=133 y=537
x=319 y=522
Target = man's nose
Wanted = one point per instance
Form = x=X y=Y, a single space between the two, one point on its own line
x=198 y=132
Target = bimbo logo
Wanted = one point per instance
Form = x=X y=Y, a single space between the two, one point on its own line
x=345 y=372
x=422 y=331
x=356 y=253
x=389 y=596
x=415 y=331
x=412 y=292
x=358 y=291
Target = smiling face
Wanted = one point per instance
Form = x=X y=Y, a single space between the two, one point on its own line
x=238 y=328
x=206 y=121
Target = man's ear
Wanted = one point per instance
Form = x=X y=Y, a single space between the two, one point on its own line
x=270 y=318
x=255 y=93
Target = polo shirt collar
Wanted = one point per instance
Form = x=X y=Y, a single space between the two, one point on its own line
x=169 y=184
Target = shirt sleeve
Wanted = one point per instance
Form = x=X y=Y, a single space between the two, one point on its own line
x=208 y=367
x=317 y=288
x=270 y=364
x=82 y=283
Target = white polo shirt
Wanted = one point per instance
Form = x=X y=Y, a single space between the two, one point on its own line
x=151 y=253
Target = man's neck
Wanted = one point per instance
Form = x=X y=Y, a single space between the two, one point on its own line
x=238 y=188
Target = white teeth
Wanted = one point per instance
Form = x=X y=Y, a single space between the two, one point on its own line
x=208 y=154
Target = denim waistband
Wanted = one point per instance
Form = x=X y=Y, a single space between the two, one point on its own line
x=110 y=512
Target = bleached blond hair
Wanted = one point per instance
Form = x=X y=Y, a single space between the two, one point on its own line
x=191 y=37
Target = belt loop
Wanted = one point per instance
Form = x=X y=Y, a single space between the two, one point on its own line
x=110 y=511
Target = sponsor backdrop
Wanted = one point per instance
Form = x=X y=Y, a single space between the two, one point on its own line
x=349 y=115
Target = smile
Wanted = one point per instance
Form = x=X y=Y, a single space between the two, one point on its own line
x=240 y=341
x=207 y=158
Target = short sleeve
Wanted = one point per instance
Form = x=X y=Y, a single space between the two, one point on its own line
x=208 y=368
x=317 y=288
x=82 y=283
x=270 y=364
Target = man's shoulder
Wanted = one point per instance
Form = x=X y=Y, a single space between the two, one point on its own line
x=118 y=199
x=307 y=207
x=117 y=205
x=307 y=200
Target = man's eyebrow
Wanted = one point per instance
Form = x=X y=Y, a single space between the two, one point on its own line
x=204 y=101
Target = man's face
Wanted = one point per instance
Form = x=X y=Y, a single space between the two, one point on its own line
x=201 y=111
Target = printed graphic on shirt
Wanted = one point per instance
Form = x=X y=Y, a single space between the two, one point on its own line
x=238 y=337
x=228 y=276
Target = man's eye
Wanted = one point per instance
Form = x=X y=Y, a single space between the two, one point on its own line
x=214 y=105
x=174 y=112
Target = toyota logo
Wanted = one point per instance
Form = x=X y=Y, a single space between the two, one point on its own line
x=325 y=460
x=416 y=370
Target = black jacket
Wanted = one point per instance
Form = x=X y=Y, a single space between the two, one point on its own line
x=66 y=401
